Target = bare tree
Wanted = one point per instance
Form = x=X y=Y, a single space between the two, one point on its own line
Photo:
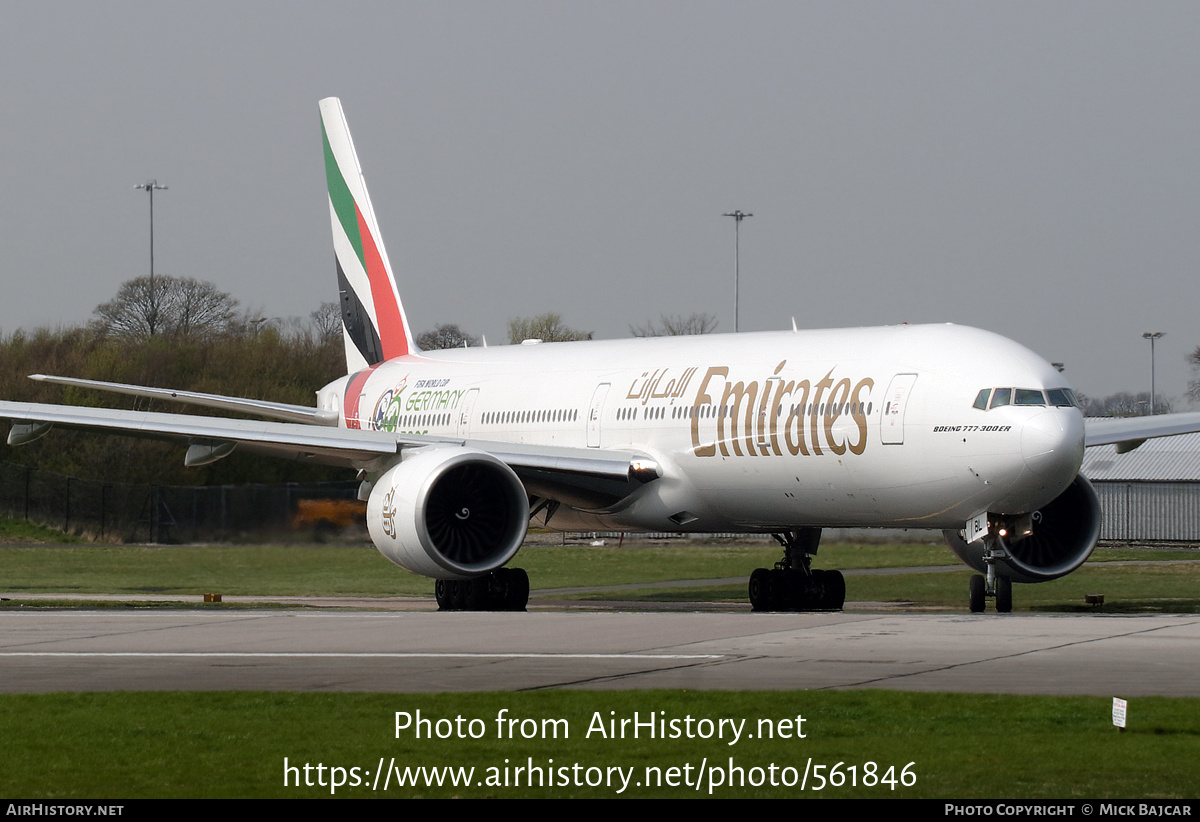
x=444 y=336
x=326 y=321
x=1122 y=404
x=672 y=326
x=134 y=311
x=1193 y=390
x=196 y=308
x=545 y=327
x=178 y=306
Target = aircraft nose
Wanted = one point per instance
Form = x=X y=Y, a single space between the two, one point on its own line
x=1052 y=443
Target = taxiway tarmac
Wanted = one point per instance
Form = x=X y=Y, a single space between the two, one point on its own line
x=79 y=650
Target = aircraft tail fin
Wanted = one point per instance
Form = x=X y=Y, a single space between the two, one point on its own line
x=374 y=325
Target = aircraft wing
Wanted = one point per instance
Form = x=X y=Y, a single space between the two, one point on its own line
x=1130 y=432
x=288 y=440
x=585 y=477
x=263 y=408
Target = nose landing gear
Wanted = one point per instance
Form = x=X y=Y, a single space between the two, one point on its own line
x=993 y=585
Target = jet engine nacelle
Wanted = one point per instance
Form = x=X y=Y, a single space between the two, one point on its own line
x=1064 y=534
x=448 y=513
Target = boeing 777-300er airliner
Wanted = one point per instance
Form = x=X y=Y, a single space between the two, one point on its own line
x=784 y=433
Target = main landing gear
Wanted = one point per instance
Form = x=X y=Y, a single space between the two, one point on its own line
x=793 y=584
x=505 y=589
x=993 y=585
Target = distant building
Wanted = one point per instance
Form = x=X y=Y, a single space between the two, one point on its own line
x=1151 y=493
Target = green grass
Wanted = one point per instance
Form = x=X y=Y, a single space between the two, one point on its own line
x=20 y=531
x=361 y=571
x=233 y=744
x=226 y=569
x=1163 y=586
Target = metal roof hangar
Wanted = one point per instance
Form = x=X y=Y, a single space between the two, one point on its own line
x=1151 y=493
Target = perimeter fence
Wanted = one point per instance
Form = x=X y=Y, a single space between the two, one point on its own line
x=170 y=513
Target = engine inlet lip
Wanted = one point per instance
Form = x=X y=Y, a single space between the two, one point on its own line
x=517 y=503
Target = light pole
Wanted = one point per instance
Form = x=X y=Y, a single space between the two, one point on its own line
x=258 y=321
x=737 y=216
x=1152 y=336
x=151 y=186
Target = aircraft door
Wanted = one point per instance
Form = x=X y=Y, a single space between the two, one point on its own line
x=891 y=426
x=357 y=421
x=464 y=413
x=594 y=411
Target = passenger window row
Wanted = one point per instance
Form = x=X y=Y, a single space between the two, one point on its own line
x=523 y=417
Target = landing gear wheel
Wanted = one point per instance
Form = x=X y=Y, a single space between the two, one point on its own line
x=978 y=590
x=458 y=595
x=506 y=589
x=1003 y=595
x=761 y=590
x=787 y=590
x=442 y=593
x=835 y=591
x=515 y=587
x=811 y=590
x=475 y=594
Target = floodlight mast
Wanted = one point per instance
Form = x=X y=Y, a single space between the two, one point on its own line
x=1152 y=336
x=151 y=186
x=737 y=216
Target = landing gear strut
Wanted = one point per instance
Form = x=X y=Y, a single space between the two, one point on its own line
x=993 y=585
x=793 y=584
x=505 y=589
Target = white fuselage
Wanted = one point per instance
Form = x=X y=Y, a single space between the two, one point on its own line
x=762 y=431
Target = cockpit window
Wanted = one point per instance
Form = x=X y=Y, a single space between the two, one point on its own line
x=997 y=397
x=1061 y=397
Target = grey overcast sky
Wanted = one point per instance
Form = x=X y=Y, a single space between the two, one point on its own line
x=1027 y=167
